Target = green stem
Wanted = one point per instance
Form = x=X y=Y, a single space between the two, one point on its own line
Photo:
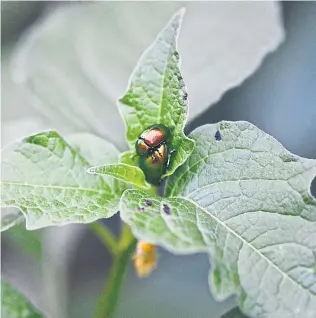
x=105 y=236
x=110 y=295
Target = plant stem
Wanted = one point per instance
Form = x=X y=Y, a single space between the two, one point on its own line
x=111 y=293
x=105 y=236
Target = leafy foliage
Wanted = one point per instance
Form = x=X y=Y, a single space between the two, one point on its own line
x=14 y=305
x=247 y=203
x=47 y=180
x=130 y=174
x=75 y=62
x=233 y=192
x=157 y=95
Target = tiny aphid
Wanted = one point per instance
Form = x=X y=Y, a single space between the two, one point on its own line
x=148 y=202
x=218 y=136
x=145 y=258
x=166 y=208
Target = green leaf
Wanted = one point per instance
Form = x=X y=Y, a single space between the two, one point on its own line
x=14 y=305
x=129 y=158
x=123 y=172
x=74 y=62
x=234 y=313
x=93 y=148
x=157 y=94
x=145 y=214
x=98 y=151
x=47 y=180
x=245 y=166
x=248 y=204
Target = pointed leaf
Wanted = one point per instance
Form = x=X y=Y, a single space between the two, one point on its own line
x=14 y=305
x=76 y=60
x=47 y=180
x=157 y=94
x=123 y=172
x=248 y=203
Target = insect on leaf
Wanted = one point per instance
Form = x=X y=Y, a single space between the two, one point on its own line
x=157 y=94
x=245 y=200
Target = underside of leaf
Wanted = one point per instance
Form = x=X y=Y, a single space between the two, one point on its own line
x=47 y=180
x=246 y=200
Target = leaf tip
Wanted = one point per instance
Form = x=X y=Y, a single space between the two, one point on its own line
x=181 y=12
x=176 y=19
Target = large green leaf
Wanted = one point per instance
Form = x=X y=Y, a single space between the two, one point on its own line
x=47 y=180
x=157 y=94
x=246 y=170
x=248 y=203
x=76 y=60
x=97 y=151
x=14 y=305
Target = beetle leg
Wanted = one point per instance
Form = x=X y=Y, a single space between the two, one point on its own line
x=157 y=147
x=169 y=156
x=168 y=161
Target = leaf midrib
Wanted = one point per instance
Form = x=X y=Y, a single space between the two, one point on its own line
x=164 y=79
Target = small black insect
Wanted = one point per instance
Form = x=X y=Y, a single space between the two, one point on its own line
x=166 y=209
x=185 y=96
x=140 y=209
x=148 y=202
x=218 y=136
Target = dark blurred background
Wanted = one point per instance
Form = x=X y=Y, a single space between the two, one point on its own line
x=280 y=98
